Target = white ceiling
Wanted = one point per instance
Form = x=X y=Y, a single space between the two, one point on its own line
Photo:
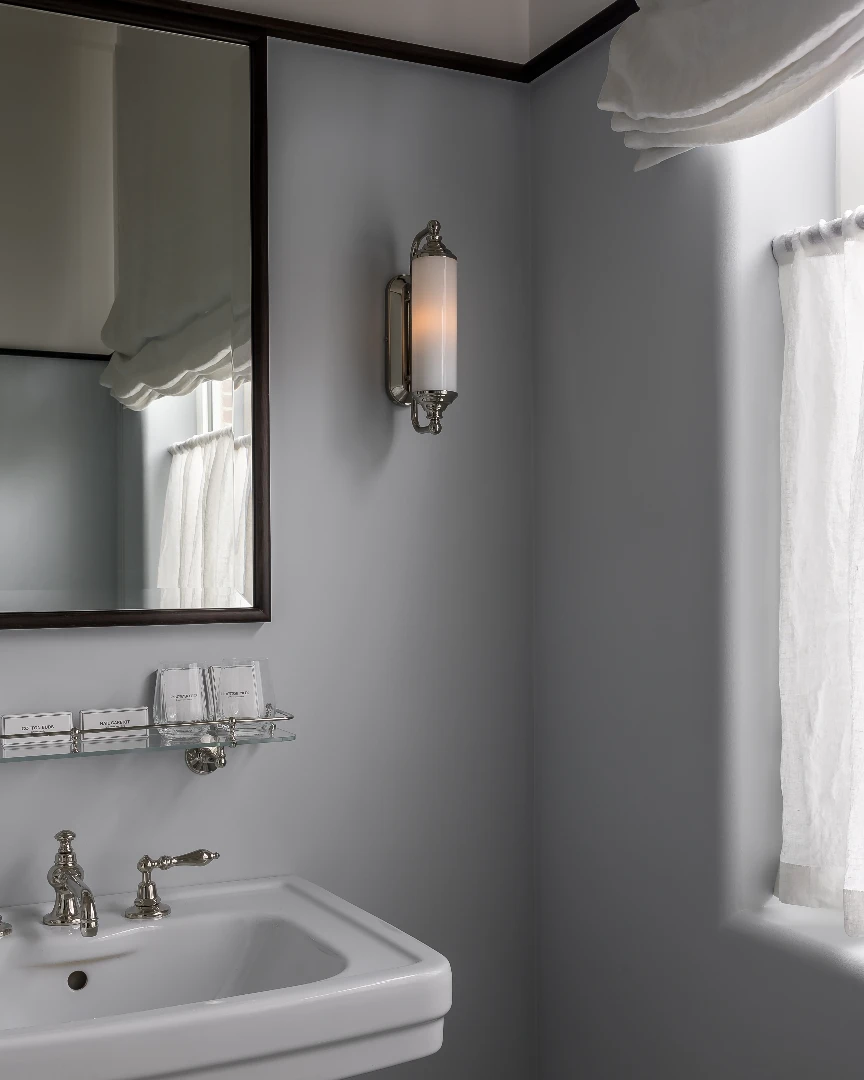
x=550 y=20
x=504 y=29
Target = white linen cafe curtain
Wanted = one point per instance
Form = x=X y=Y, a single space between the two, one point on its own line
x=244 y=540
x=822 y=567
x=206 y=552
x=685 y=73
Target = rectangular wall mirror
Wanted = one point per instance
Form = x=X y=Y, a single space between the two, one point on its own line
x=133 y=314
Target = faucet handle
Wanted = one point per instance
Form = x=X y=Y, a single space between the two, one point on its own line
x=199 y=857
x=148 y=904
x=65 y=856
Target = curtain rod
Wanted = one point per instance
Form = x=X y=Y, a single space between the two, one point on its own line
x=209 y=437
x=200 y=440
x=819 y=239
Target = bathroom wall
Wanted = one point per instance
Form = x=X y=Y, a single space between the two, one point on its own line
x=658 y=356
x=401 y=633
x=58 y=441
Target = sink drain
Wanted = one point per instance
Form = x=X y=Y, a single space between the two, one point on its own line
x=77 y=980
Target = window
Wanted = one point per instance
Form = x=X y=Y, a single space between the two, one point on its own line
x=849 y=102
x=220 y=405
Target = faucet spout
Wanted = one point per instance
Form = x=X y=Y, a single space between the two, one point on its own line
x=74 y=904
x=81 y=905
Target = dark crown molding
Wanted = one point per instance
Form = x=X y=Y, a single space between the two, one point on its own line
x=577 y=39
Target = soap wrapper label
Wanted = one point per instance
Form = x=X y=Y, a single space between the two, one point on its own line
x=114 y=723
x=37 y=725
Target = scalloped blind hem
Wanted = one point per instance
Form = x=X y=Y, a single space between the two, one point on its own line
x=688 y=73
x=173 y=366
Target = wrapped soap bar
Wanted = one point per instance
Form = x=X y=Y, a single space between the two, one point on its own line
x=115 y=723
x=36 y=729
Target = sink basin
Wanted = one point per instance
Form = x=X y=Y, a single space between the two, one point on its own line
x=255 y=979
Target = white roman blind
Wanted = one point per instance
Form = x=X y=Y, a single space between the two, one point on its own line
x=182 y=308
x=685 y=73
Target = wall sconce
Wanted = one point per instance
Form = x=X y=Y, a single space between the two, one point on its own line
x=420 y=342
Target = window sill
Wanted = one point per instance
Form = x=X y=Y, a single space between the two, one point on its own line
x=815 y=931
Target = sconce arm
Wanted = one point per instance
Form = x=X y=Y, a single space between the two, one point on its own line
x=434 y=403
x=434 y=245
x=421 y=236
x=423 y=429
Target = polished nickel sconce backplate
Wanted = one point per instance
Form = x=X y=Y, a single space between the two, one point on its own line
x=423 y=350
x=397 y=331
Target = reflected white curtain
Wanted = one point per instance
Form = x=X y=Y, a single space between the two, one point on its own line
x=244 y=541
x=822 y=567
x=206 y=551
x=685 y=73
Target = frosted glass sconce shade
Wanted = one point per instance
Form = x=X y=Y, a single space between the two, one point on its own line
x=433 y=323
x=421 y=331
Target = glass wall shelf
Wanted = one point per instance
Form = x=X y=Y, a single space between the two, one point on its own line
x=204 y=743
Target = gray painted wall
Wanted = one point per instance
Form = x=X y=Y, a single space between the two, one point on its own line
x=658 y=351
x=402 y=608
x=58 y=486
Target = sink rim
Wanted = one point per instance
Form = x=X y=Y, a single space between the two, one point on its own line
x=367 y=998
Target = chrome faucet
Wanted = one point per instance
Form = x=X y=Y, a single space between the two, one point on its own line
x=73 y=900
x=148 y=904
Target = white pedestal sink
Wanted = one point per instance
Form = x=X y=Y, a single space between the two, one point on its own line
x=255 y=979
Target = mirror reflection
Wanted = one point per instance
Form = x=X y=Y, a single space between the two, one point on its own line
x=125 y=338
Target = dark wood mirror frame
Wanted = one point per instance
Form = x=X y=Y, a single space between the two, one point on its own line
x=183 y=19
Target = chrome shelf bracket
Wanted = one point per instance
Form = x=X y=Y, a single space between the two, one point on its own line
x=205 y=760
